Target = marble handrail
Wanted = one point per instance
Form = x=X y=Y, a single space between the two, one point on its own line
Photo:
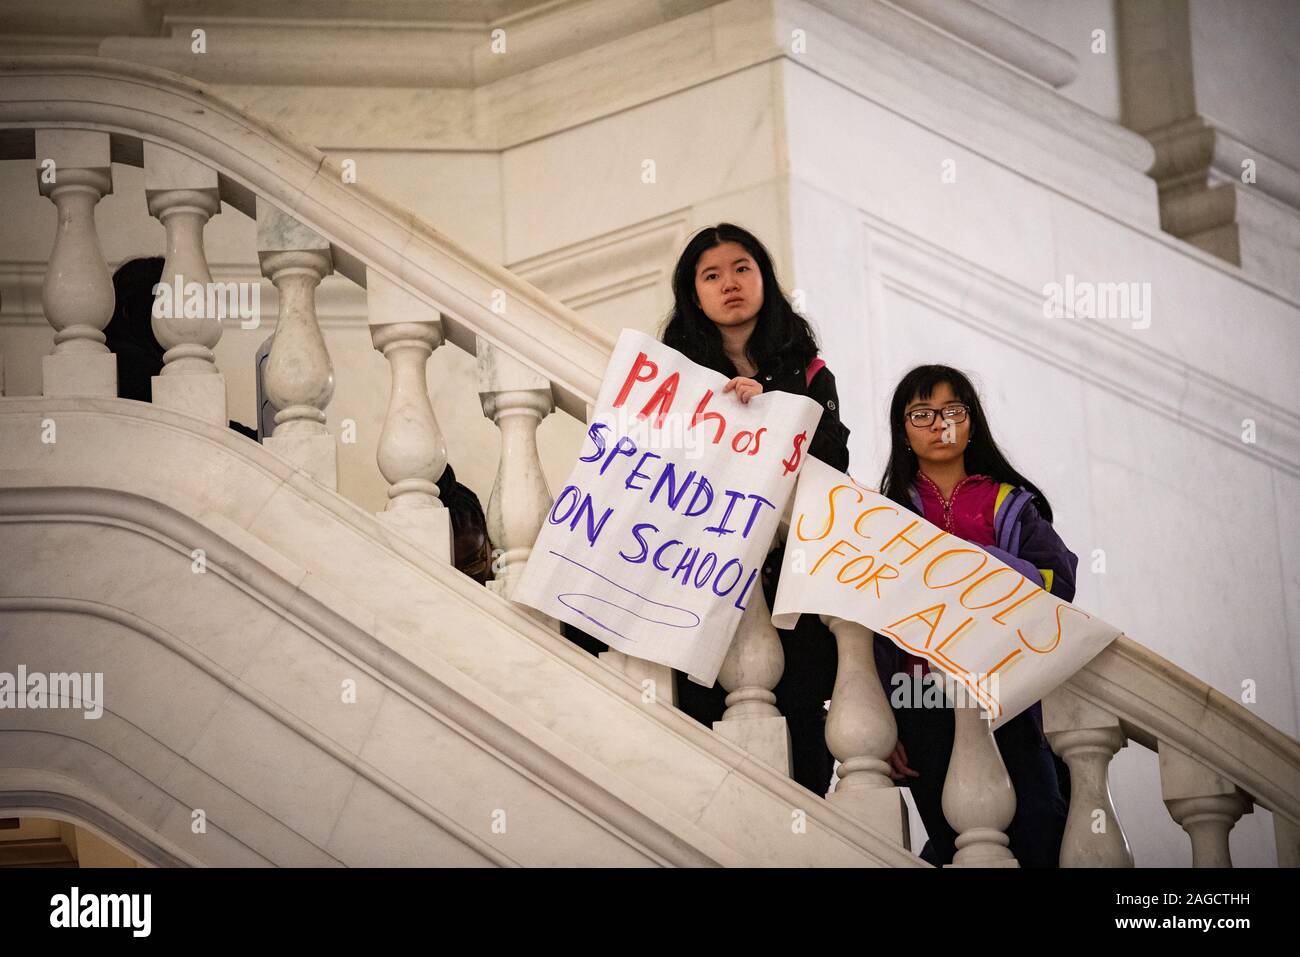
x=477 y=299
x=1209 y=744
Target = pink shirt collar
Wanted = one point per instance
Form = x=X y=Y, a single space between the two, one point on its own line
x=967 y=513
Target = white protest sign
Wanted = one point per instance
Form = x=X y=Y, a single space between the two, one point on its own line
x=854 y=554
x=655 y=545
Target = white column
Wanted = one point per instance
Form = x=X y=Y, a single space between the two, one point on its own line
x=861 y=732
x=978 y=798
x=516 y=398
x=73 y=171
x=754 y=664
x=411 y=452
x=1087 y=738
x=1204 y=804
x=299 y=375
x=182 y=194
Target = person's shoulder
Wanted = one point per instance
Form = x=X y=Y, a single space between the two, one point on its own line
x=1019 y=503
x=818 y=374
x=1015 y=503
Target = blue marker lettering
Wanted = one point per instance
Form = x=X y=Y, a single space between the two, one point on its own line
x=593 y=527
x=593 y=433
x=645 y=549
x=745 y=591
x=559 y=499
x=702 y=487
x=660 y=550
x=721 y=527
x=675 y=492
x=705 y=570
x=687 y=563
x=637 y=473
x=740 y=570
x=759 y=502
x=624 y=446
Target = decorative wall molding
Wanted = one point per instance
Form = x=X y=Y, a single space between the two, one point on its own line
x=1205 y=198
x=997 y=36
x=1274 y=178
x=1089 y=350
x=577 y=61
x=49 y=794
x=610 y=265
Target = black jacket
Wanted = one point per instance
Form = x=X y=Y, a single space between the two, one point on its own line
x=831 y=441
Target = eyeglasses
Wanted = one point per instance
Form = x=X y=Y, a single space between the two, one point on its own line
x=923 y=418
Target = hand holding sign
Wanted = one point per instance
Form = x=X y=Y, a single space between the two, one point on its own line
x=746 y=388
x=656 y=541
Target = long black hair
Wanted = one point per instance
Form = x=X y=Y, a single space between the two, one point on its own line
x=129 y=333
x=983 y=457
x=132 y=319
x=781 y=336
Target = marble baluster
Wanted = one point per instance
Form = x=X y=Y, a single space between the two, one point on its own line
x=411 y=452
x=978 y=798
x=182 y=193
x=74 y=172
x=750 y=671
x=1087 y=738
x=1203 y=803
x=516 y=399
x=299 y=374
x=861 y=732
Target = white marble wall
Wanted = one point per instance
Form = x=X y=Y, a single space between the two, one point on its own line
x=1070 y=25
x=1133 y=433
x=1244 y=71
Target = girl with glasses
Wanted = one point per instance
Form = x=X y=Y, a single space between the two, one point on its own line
x=945 y=466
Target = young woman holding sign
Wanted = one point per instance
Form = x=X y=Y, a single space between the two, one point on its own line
x=730 y=315
x=944 y=465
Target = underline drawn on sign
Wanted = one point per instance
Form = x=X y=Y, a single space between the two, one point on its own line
x=605 y=601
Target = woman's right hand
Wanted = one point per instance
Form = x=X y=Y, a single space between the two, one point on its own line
x=746 y=388
x=898 y=768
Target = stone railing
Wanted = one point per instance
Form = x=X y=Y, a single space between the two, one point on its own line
x=73 y=117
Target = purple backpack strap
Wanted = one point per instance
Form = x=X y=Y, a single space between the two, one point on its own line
x=814 y=367
x=1007 y=520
